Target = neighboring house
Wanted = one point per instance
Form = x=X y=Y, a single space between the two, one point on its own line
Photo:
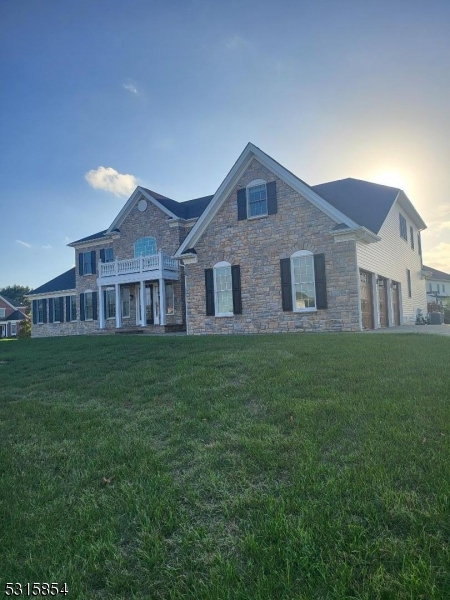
x=267 y=252
x=438 y=285
x=11 y=314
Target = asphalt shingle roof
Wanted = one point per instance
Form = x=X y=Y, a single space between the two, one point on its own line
x=12 y=302
x=17 y=315
x=437 y=274
x=365 y=203
x=191 y=209
x=65 y=281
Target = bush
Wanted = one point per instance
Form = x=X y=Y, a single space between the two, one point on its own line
x=24 y=329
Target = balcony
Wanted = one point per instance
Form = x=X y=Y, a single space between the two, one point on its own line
x=143 y=268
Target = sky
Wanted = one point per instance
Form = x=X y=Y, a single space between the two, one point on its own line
x=99 y=96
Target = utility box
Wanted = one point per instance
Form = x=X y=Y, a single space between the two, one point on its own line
x=436 y=318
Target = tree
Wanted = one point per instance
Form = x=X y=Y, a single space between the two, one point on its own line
x=16 y=293
x=24 y=329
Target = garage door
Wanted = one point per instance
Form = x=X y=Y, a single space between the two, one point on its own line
x=366 y=299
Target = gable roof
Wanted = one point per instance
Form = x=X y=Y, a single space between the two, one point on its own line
x=94 y=236
x=17 y=315
x=368 y=204
x=435 y=274
x=12 y=303
x=65 y=281
x=190 y=209
x=249 y=153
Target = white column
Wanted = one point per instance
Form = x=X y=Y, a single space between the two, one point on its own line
x=142 y=301
x=118 y=307
x=375 y=300
x=101 y=308
x=162 y=302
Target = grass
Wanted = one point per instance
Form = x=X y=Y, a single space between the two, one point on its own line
x=255 y=467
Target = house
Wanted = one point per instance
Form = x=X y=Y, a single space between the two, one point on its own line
x=266 y=252
x=438 y=286
x=11 y=314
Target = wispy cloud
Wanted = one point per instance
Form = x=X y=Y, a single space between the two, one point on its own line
x=25 y=244
x=46 y=246
x=442 y=226
x=110 y=180
x=131 y=88
x=235 y=41
x=438 y=257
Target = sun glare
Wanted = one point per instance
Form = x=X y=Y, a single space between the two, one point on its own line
x=392 y=178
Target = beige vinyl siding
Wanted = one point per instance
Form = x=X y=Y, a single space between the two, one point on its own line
x=392 y=256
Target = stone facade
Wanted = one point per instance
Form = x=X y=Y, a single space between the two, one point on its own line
x=257 y=245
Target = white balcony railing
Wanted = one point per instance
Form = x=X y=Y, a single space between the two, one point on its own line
x=142 y=264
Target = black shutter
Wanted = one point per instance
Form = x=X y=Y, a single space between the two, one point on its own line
x=34 y=312
x=94 y=305
x=68 y=308
x=50 y=310
x=209 y=287
x=242 y=204
x=44 y=310
x=61 y=308
x=286 y=287
x=236 y=287
x=102 y=255
x=272 y=198
x=93 y=261
x=81 y=263
x=321 y=281
x=82 y=307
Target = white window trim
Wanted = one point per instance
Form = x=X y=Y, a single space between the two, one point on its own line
x=220 y=265
x=173 y=298
x=255 y=183
x=37 y=308
x=311 y=309
x=128 y=316
x=56 y=300
x=87 y=262
x=2 y=313
x=71 y=312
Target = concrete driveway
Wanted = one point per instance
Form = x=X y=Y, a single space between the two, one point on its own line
x=431 y=329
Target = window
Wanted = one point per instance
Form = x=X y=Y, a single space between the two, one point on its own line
x=88 y=306
x=145 y=247
x=408 y=278
x=110 y=303
x=403 y=228
x=125 y=300
x=56 y=310
x=2 y=313
x=257 y=200
x=223 y=289
x=73 y=308
x=40 y=311
x=109 y=255
x=13 y=328
x=87 y=263
x=411 y=236
x=170 y=304
x=303 y=284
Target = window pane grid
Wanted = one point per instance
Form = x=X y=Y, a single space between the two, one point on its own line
x=145 y=247
x=257 y=200
x=224 y=294
x=303 y=282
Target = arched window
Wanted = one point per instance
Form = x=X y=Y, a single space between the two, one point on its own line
x=223 y=289
x=303 y=282
x=256 y=198
x=146 y=246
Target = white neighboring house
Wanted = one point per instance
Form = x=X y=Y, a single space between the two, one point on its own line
x=438 y=285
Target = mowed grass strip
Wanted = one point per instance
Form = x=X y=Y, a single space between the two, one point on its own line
x=254 y=467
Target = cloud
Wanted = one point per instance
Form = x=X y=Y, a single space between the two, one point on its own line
x=110 y=180
x=438 y=257
x=46 y=246
x=442 y=226
x=235 y=41
x=131 y=88
x=23 y=244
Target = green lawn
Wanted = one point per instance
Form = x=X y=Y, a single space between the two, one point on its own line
x=257 y=467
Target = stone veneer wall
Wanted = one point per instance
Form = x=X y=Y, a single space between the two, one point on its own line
x=257 y=245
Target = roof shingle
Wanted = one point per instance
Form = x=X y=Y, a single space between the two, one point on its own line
x=65 y=281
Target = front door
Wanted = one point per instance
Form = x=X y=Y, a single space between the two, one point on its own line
x=366 y=299
x=395 y=303
x=382 y=301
